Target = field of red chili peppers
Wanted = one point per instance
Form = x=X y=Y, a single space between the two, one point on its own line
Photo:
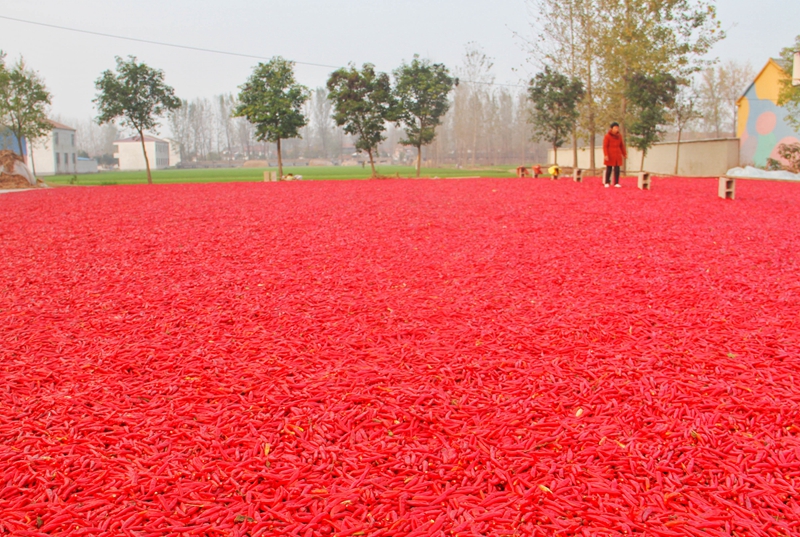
x=495 y=357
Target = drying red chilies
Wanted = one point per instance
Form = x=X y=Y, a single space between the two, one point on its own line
x=460 y=357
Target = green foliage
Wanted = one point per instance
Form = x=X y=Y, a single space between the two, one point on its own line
x=4 y=80
x=25 y=100
x=555 y=98
x=362 y=103
x=790 y=153
x=421 y=89
x=135 y=96
x=789 y=97
x=650 y=98
x=272 y=101
x=653 y=38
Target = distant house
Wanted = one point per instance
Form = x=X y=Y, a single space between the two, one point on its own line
x=56 y=153
x=130 y=157
x=762 y=125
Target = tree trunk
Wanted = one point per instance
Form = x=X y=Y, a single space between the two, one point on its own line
x=644 y=153
x=33 y=164
x=590 y=99
x=575 y=148
x=474 y=146
x=555 y=154
x=623 y=131
x=19 y=143
x=372 y=163
x=146 y=160
x=280 y=161
x=678 y=152
x=419 y=158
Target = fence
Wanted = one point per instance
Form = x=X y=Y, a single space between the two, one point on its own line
x=698 y=158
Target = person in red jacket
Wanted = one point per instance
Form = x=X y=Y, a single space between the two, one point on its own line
x=614 y=153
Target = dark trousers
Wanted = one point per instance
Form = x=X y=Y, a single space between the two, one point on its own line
x=616 y=174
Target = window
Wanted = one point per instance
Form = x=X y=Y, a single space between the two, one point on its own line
x=55 y=138
x=58 y=159
x=73 y=158
x=66 y=158
x=72 y=140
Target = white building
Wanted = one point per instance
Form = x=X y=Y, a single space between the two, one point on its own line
x=56 y=153
x=130 y=157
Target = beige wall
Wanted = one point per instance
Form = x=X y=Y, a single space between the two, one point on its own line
x=698 y=158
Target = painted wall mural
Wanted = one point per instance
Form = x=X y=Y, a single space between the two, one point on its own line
x=762 y=123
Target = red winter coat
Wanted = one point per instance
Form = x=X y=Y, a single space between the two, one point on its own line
x=614 y=149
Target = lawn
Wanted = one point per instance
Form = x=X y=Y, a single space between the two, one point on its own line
x=477 y=357
x=219 y=175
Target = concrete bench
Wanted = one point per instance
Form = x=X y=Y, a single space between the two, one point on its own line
x=577 y=175
x=643 y=180
x=727 y=184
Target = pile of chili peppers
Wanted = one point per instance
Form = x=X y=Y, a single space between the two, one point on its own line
x=494 y=357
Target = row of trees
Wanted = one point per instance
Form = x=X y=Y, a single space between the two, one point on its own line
x=363 y=101
x=273 y=103
x=485 y=123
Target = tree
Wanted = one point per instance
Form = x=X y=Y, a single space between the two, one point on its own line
x=720 y=88
x=684 y=112
x=421 y=89
x=711 y=100
x=789 y=96
x=362 y=104
x=273 y=101
x=4 y=81
x=568 y=41
x=555 y=100
x=610 y=40
x=136 y=96
x=649 y=97
x=652 y=38
x=734 y=79
x=25 y=101
x=179 y=125
x=471 y=98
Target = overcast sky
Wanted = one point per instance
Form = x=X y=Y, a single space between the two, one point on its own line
x=328 y=32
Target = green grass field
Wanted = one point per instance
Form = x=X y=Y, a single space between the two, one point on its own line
x=221 y=175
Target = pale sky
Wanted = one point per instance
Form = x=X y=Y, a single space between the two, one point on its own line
x=329 y=32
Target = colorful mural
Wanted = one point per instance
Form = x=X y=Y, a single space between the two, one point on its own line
x=762 y=123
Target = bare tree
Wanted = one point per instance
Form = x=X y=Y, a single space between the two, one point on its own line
x=735 y=77
x=711 y=102
x=684 y=113
x=471 y=97
x=225 y=122
x=179 y=125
